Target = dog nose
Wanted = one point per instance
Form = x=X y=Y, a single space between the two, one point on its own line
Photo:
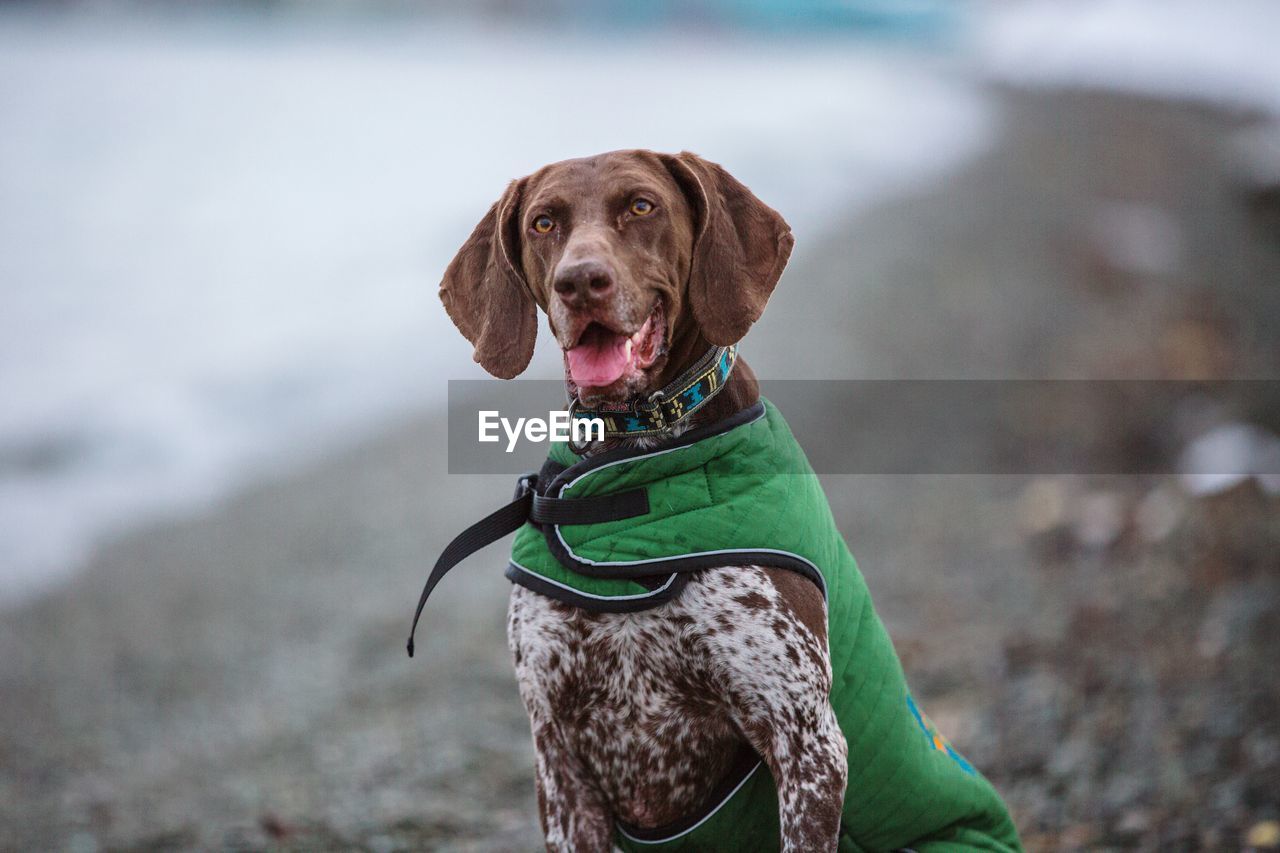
x=583 y=281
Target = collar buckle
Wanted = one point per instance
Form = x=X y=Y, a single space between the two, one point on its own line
x=577 y=448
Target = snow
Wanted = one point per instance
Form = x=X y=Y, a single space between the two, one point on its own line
x=219 y=244
x=1223 y=52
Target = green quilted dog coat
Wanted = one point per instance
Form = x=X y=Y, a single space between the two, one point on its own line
x=741 y=492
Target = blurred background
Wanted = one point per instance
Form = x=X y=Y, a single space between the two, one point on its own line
x=223 y=368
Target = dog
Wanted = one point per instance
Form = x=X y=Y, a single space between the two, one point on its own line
x=645 y=720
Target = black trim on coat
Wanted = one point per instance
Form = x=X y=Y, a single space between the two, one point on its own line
x=554 y=478
x=538 y=584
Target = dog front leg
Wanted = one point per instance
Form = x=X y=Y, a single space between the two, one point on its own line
x=574 y=816
x=573 y=813
x=777 y=675
x=808 y=758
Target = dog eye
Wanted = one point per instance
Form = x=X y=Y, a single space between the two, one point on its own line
x=543 y=224
x=642 y=207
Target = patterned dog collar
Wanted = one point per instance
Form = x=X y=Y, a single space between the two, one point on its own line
x=662 y=410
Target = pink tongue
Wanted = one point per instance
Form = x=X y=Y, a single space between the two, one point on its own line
x=599 y=362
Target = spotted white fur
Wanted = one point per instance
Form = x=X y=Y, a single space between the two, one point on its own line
x=637 y=716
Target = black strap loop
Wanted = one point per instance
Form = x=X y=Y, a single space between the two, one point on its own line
x=484 y=532
x=589 y=510
x=528 y=505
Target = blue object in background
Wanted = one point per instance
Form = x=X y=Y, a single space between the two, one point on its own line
x=906 y=18
x=902 y=17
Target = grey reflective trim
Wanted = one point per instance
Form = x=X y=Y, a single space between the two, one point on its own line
x=577 y=591
x=718 y=806
x=725 y=551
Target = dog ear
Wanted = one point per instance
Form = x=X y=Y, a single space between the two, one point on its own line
x=485 y=292
x=741 y=246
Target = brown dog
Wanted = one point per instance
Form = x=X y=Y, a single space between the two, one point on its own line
x=642 y=262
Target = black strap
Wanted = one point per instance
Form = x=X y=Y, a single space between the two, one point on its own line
x=589 y=510
x=484 y=532
x=527 y=506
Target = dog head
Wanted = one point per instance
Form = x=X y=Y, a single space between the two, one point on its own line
x=637 y=259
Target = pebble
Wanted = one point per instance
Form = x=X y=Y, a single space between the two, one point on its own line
x=1042 y=506
x=1158 y=514
x=82 y=842
x=1134 y=822
x=1265 y=834
x=1100 y=520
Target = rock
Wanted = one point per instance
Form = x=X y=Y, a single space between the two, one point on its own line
x=1042 y=506
x=1265 y=835
x=1133 y=822
x=1158 y=513
x=1229 y=454
x=1071 y=757
x=83 y=842
x=1100 y=519
x=1135 y=238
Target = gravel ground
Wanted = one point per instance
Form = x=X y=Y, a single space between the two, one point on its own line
x=1104 y=648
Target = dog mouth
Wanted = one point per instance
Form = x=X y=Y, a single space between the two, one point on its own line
x=603 y=356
